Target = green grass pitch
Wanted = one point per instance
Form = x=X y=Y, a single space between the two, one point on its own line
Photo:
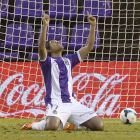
x=114 y=130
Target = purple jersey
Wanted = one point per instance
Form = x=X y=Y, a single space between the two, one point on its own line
x=57 y=75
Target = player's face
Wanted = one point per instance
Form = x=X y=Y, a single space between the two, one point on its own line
x=56 y=46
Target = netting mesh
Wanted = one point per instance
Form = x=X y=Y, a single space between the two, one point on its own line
x=108 y=79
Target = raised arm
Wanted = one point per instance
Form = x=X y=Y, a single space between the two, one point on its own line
x=42 y=39
x=91 y=37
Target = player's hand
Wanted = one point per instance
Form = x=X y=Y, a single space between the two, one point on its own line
x=45 y=19
x=91 y=19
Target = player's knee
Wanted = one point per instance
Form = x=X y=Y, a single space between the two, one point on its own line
x=97 y=127
x=52 y=123
x=100 y=127
x=51 y=127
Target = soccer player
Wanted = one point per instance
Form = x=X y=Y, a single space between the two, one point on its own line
x=57 y=75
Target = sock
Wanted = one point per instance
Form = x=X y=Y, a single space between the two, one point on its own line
x=39 y=125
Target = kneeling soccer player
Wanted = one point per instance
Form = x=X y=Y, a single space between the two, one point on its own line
x=57 y=75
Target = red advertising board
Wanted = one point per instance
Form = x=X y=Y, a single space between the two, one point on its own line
x=106 y=87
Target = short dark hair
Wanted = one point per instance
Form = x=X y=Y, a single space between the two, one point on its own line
x=48 y=46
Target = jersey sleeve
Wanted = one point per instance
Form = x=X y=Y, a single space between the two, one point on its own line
x=45 y=62
x=74 y=58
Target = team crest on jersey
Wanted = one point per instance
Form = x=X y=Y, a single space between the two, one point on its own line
x=66 y=62
x=55 y=112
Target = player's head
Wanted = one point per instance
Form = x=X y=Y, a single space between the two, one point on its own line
x=54 y=46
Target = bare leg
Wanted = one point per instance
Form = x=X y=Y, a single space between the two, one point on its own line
x=94 y=124
x=52 y=123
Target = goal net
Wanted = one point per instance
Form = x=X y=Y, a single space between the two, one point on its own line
x=107 y=80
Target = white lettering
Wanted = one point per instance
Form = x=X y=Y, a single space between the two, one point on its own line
x=101 y=111
x=9 y=80
x=109 y=100
x=26 y=94
x=38 y=96
x=10 y=102
x=85 y=100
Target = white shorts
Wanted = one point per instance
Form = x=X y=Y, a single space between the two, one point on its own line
x=75 y=113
